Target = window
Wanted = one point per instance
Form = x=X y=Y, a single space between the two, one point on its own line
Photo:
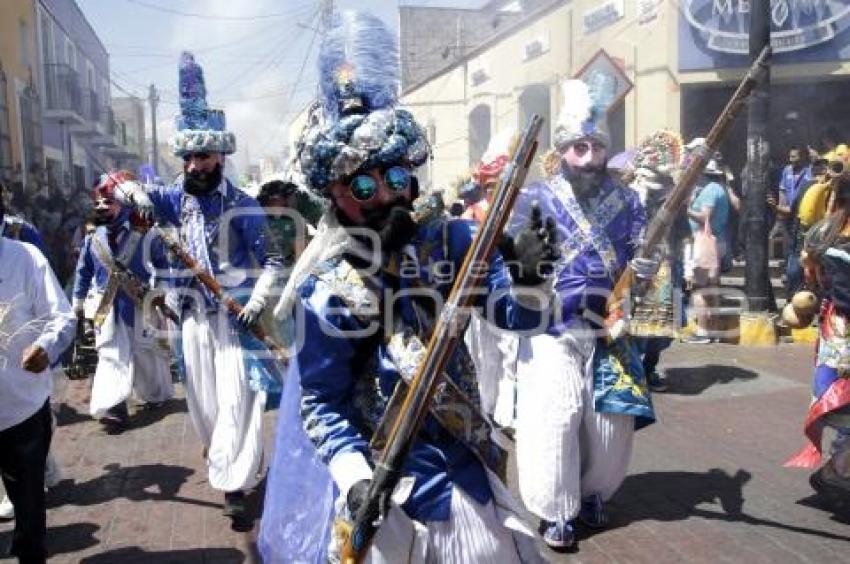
x=23 y=43
x=479 y=132
x=535 y=99
x=80 y=178
x=31 y=145
x=47 y=41
x=5 y=136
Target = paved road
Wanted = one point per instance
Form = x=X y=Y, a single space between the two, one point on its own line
x=706 y=483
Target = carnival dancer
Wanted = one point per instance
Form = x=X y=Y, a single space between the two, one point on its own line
x=225 y=232
x=120 y=260
x=579 y=391
x=365 y=294
x=493 y=350
x=826 y=261
x=657 y=309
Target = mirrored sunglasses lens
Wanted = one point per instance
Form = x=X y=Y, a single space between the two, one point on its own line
x=581 y=149
x=363 y=187
x=397 y=178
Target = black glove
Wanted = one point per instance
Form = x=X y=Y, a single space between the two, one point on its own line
x=85 y=332
x=532 y=254
x=357 y=495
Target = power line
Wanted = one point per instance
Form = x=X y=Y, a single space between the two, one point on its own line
x=292 y=93
x=213 y=17
x=275 y=52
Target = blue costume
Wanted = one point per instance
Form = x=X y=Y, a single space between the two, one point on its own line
x=224 y=230
x=361 y=329
x=130 y=357
x=579 y=390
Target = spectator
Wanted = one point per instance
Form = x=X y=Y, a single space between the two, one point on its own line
x=36 y=327
x=709 y=206
x=796 y=178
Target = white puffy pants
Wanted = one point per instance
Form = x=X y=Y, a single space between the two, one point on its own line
x=226 y=413
x=494 y=353
x=483 y=534
x=128 y=360
x=565 y=450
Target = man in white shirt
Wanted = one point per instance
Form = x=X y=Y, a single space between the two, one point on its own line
x=36 y=326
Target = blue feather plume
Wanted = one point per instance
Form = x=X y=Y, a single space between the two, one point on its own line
x=358 y=65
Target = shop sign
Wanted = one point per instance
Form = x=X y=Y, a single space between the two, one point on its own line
x=603 y=16
x=796 y=24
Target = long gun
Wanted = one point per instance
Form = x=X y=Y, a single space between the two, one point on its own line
x=442 y=344
x=209 y=282
x=665 y=217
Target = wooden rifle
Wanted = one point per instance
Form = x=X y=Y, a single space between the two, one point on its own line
x=441 y=346
x=211 y=284
x=679 y=196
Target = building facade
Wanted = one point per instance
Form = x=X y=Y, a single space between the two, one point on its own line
x=79 y=123
x=678 y=61
x=21 y=155
x=130 y=149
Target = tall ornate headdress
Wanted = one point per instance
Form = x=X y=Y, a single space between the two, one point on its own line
x=199 y=128
x=583 y=115
x=356 y=124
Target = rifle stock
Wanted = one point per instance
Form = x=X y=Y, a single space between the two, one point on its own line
x=679 y=196
x=440 y=348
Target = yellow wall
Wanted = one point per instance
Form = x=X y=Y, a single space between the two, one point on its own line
x=17 y=75
x=648 y=53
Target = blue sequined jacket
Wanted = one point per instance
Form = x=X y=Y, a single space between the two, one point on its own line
x=147 y=258
x=348 y=370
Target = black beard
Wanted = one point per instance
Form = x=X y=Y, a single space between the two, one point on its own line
x=200 y=183
x=393 y=223
x=101 y=219
x=584 y=181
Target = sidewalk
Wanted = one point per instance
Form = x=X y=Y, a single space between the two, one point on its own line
x=706 y=483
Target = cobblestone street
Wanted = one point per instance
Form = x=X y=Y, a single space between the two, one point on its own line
x=706 y=483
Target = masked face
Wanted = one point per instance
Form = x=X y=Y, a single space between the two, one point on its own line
x=202 y=172
x=105 y=210
x=584 y=166
x=380 y=201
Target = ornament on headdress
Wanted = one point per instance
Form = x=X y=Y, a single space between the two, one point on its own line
x=583 y=115
x=661 y=152
x=356 y=125
x=199 y=128
x=496 y=156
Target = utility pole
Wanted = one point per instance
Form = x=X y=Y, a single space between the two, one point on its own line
x=153 y=100
x=758 y=290
x=327 y=14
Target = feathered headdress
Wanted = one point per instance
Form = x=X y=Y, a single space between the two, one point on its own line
x=199 y=128
x=582 y=116
x=496 y=156
x=661 y=153
x=356 y=125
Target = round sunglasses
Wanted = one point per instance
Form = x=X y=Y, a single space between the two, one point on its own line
x=364 y=187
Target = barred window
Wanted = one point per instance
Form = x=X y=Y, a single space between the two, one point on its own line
x=5 y=135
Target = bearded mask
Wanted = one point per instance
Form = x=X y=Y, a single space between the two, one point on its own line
x=199 y=183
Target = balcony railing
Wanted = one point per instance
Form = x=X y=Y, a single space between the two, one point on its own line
x=63 y=88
